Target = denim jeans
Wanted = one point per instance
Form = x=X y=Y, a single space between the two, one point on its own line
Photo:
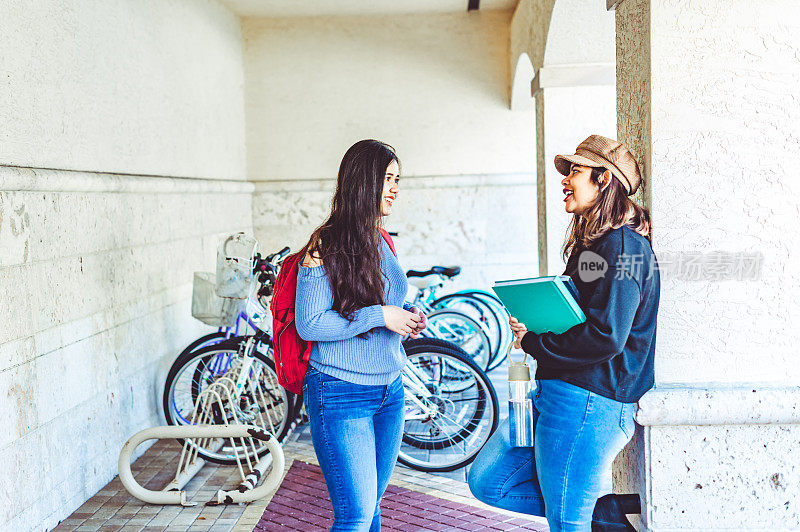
x=356 y=430
x=577 y=435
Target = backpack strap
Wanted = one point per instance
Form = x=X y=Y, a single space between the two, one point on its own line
x=389 y=240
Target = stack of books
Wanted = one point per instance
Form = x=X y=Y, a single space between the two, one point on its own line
x=543 y=304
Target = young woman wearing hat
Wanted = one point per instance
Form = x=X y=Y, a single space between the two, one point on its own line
x=590 y=377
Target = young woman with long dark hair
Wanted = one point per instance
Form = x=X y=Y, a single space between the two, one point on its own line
x=589 y=377
x=351 y=303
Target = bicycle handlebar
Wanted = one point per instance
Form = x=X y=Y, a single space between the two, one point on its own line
x=266 y=270
x=279 y=256
x=269 y=262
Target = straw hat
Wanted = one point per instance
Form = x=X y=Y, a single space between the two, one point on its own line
x=599 y=151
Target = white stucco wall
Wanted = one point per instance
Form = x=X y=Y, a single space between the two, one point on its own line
x=716 y=120
x=459 y=220
x=142 y=87
x=725 y=142
x=96 y=257
x=433 y=86
x=528 y=29
x=580 y=31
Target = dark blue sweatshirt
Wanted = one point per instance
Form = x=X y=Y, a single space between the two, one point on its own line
x=612 y=352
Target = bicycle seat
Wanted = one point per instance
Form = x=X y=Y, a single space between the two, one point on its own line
x=436 y=270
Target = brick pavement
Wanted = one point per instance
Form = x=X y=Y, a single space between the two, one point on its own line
x=302 y=504
x=113 y=509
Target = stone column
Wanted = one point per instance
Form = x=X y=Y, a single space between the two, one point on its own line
x=707 y=96
x=573 y=101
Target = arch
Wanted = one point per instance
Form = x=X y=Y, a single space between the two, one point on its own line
x=521 y=95
x=569 y=41
x=580 y=32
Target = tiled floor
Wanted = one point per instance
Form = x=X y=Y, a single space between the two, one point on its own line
x=443 y=491
x=301 y=504
x=114 y=509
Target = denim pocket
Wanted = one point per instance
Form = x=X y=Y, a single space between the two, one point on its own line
x=347 y=400
x=626 y=422
x=536 y=394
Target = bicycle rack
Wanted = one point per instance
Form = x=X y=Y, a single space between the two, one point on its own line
x=215 y=403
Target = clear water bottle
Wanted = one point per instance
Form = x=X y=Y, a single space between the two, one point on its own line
x=520 y=407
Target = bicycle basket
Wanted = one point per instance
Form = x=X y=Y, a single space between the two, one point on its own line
x=208 y=307
x=235 y=265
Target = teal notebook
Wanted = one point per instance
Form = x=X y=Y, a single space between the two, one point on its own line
x=543 y=304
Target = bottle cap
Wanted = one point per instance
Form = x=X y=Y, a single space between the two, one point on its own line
x=518 y=371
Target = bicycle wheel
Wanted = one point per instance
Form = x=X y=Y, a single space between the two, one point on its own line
x=445 y=428
x=263 y=403
x=503 y=316
x=480 y=311
x=203 y=341
x=456 y=327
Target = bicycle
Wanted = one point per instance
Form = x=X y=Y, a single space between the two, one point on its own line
x=478 y=305
x=252 y=316
x=258 y=400
x=437 y=376
x=262 y=401
x=451 y=407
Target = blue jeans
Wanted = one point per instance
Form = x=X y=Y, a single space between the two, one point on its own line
x=356 y=430
x=577 y=435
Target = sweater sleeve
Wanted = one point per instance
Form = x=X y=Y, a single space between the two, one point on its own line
x=315 y=318
x=609 y=317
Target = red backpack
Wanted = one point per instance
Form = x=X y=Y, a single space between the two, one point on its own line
x=290 y=351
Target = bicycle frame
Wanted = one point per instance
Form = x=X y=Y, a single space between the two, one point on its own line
x=426 y=296
x=412 y=382
x=247 y=317
x=244 y=320
x=221 y=364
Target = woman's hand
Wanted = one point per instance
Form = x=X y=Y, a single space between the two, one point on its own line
x=422 y=324
x=519 y=331
x=399 y=320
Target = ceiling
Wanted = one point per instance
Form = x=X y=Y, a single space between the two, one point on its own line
x=305 y=8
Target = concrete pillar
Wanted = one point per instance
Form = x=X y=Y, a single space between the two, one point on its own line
x=573 y=101
x=571 y=46
x=707 y=96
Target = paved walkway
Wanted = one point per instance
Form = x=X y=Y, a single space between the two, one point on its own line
x=412 y=490
x=302 y=504
x=113 y=509
x=438 y=502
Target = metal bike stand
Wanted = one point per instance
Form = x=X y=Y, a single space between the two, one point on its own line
x=173 y=494
x=216 y=418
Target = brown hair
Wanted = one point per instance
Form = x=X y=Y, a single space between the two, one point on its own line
x=611 y=210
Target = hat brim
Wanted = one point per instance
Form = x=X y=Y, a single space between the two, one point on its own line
x=564 y=163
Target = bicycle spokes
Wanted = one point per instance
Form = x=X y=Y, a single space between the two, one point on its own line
x=449 y=412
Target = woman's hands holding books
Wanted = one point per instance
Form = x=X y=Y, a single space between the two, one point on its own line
x=519 y=331
x=401 y=321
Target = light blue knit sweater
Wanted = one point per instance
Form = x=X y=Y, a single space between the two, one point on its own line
x=338 y=351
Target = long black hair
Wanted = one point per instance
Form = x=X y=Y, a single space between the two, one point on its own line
x=348 y=242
